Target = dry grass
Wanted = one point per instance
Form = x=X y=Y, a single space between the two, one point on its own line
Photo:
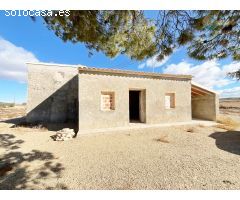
x=12 y=112
x=227 y=123
x=190 y=130
x=29 y=125
x=6 y=105
x=24 y=124
x=162 y=138
x=225 y=127
x=230 y=107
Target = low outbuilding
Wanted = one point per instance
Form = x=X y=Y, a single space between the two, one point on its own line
x=97 y=98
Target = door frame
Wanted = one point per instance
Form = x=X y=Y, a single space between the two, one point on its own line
x=142 y=104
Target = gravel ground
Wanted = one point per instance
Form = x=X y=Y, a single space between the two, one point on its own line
x=155 y=158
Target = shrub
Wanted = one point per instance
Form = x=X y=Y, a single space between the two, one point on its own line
x=227 y=123
x=11 y=104
x=25 y=124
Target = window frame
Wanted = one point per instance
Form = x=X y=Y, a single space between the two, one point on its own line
x=172 y=101
x=112 y=101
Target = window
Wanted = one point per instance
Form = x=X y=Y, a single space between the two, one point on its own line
x=107 y=101
x=169 y=100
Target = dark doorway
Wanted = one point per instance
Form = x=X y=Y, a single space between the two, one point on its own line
x=134 y=108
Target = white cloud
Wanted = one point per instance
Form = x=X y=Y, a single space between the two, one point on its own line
x=13 y=61
x=234 y=66
x=232 y=92
x=209 y=74
x=153 y=62
x=141 y=66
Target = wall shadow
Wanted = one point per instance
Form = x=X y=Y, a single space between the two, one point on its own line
x=58 y=111
x=17 y=120
x=228 y=141
x=19 y=170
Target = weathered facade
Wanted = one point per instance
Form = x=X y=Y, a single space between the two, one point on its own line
x=52 y=93
x=104 y=98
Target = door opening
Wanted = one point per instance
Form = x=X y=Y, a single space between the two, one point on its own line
x=134 y=106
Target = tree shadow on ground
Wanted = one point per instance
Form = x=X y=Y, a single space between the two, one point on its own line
x=31 y=170
x=21 y=122
x=228 y=141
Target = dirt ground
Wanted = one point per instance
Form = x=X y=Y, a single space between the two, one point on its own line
x=187 y=157
x=230 y=107
x=12 y=112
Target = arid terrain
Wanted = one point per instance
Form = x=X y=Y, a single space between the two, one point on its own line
x=7 y=112
x=186 y=157
x=230 y=107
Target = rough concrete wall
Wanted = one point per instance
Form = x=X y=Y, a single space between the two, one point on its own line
x=205 y=107
x=91 y=85
x=52 y=93
x=143 y=106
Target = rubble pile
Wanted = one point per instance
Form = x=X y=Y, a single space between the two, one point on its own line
x=64 y=134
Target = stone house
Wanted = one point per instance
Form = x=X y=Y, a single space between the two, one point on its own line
x=105 y=98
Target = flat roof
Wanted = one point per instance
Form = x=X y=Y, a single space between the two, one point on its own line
x=82 y=69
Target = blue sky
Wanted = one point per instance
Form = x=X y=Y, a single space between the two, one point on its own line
x=23 y=40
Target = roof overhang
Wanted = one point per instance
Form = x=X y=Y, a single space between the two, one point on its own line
x=199 y=90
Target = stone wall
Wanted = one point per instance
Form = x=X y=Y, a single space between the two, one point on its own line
x=91 y=85
x=52 y=93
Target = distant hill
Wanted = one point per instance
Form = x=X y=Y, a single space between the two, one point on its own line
x=5 y=104
x=230 y=99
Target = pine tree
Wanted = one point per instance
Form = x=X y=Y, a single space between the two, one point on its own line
x=205 y=34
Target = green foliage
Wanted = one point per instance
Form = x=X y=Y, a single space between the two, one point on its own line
x=217 y=36
x=206 y=34
x=112 y=32
x=185 y=37
x=235 y=74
